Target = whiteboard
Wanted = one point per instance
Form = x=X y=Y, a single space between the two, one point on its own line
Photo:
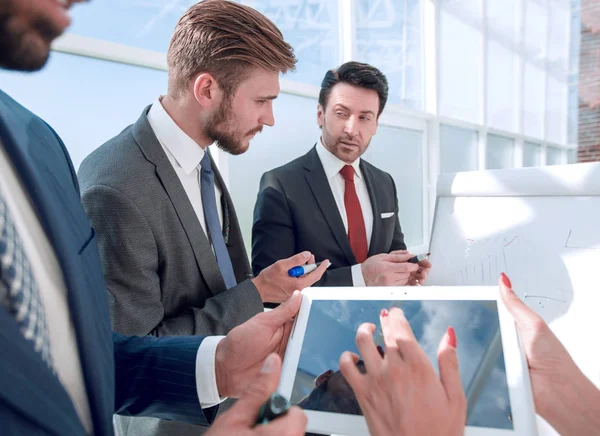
x=541 y=226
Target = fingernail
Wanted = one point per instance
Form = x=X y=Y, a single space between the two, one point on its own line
x=506 y=281
x=451 y=337
x=384 y=313
x=306 y=254
x=269 y=365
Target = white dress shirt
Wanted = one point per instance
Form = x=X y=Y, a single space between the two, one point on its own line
x=52 y=289
x=332 y=166
x=185 y=156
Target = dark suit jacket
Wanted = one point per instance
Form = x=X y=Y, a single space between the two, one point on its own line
x=296 y=211
x=133 y=376
x=160 y=269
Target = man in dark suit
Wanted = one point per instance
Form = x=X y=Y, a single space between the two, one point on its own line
x=62 y=371
x=332 y=202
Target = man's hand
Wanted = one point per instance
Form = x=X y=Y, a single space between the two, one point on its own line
x=240 y=419
x=563 y=395
x=418 y=277
x=241 y=354
x=388 y=269
x=401 y=394
x=274 y=283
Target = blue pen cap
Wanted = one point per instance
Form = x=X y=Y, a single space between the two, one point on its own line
x=296 y=271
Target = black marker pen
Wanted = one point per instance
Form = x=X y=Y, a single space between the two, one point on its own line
x=418 y=258
x=276 y=406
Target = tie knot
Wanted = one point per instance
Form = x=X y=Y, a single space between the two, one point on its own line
x=205 y=162
x=347 y=173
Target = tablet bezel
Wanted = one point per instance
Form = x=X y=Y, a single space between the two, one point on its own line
x=517 y=374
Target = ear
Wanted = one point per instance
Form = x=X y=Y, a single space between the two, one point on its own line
x=320 y=116
x=206 y=90
x=323 y=378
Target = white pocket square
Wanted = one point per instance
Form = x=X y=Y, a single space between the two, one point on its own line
x=387 y=215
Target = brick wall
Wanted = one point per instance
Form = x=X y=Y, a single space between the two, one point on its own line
x=589 y=83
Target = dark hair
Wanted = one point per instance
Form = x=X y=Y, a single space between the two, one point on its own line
x=355 y=74
x=225 y=39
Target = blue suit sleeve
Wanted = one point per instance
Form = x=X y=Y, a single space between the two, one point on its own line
x=157 y=377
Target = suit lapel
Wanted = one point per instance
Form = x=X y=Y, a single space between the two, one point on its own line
x=374 y=195
x=319 y=185
x=38 y=158
x=27 y=384
x=207 y=263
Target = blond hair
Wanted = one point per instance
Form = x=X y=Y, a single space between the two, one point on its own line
x=225 y=39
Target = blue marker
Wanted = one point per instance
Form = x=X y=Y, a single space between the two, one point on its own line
x=299 y=271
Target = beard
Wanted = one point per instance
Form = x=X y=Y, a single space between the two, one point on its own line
x=24 y=48
x=220 y=128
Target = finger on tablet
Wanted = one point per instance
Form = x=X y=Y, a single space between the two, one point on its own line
x=367 y=348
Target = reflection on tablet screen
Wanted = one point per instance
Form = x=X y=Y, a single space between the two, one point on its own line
x=331 y=330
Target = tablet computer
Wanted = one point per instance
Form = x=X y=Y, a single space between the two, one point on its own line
x=493 y=366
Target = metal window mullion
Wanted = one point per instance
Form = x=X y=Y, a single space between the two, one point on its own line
x=347 y=30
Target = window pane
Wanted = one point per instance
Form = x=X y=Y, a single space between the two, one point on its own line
x=458 y=149
x=312 y=28
x=557 y=89
x=534 y=95
x=400 y=153
x=572 y=156
x=274 y=147
x=146 y=24
x=502 y=62
x=553 y=156
x=460 y=59
x=574 y=73
x=85 y=116
x=388 y=36
x=499 y=152
x=532 y=154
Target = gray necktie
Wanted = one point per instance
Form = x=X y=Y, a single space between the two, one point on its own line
x=18 y=289
x=211 y=216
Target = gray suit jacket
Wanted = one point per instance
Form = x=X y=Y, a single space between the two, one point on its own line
x=160 y=270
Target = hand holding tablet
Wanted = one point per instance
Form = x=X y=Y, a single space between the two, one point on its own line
x=493 y=369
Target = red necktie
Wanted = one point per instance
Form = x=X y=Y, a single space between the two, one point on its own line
x=356 y=223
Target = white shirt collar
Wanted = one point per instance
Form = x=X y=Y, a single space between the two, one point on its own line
x=332 y=164
x=184 y=149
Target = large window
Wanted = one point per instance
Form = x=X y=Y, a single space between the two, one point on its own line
x=388 y=35
x=399 y=152
x=312 y=28
x=474 y=85
x=87 y=101
x=274 y=147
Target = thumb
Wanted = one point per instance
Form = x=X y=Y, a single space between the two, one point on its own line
x=295 y=260
x=522 y=314
x=247 y=407
x=398 y=256
x=448 y=365
x=285 y=311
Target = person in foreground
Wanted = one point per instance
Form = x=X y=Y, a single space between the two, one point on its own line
x=563 y=395
x=401 y=394
x=62 y=370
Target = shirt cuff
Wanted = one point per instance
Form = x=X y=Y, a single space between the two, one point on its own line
x=357 y=276
x=206 y=377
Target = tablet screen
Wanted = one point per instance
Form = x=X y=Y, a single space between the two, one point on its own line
x=331 y=330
